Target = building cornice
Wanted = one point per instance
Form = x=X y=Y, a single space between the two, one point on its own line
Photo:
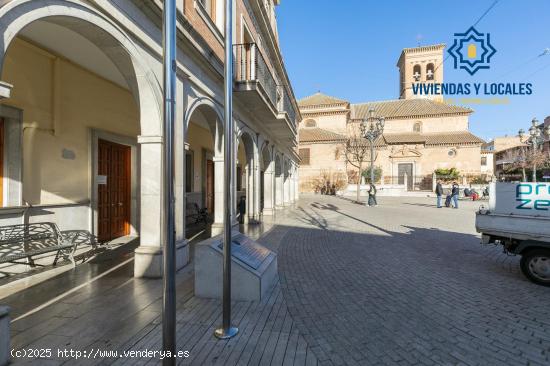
x=323 y=113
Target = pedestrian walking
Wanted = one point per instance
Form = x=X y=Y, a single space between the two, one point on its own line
x=372 y=195
x=242 y=209
x=454 y=194
x=439 y=193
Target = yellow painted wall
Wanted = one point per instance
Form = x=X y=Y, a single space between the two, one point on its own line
x=85 y=101
x=199 y=139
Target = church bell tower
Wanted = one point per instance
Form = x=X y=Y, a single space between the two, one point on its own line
x=422 y=64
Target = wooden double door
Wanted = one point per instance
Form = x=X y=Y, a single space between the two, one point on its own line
x=114 y=190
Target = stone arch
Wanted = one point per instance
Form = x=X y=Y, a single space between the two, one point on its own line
x=430 y=71
x=266 y=157
x=210 y=113
x=101 y=31
x=249 y=174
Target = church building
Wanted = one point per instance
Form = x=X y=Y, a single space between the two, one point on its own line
x=421 y=133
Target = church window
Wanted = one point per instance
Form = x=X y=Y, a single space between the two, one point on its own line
x=310 y=123
x=484 y=161
x=417 y=127
x=430 y=72
x=452 y=153
x=417 y=72
x=304 y=156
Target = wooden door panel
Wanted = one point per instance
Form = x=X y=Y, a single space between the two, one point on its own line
x=114 y=197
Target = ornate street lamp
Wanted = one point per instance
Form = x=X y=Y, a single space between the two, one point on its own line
x=371 y=129
x=536 y=138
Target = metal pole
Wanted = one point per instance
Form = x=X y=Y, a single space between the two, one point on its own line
x=371 y=161
x=227 y=331
x=535 y=149
x=169 y=257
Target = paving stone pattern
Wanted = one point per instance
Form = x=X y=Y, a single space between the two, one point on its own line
x=406 y=283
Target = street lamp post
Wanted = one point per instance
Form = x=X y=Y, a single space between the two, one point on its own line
x=536 y=138
x=371 y=129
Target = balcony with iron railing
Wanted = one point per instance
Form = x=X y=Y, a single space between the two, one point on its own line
x=257 y=88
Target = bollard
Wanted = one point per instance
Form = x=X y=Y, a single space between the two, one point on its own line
x=4 y=335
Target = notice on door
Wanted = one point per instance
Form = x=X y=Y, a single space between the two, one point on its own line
x=102 y=179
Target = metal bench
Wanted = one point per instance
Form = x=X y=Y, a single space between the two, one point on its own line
x=198 y=215
x=25 y=241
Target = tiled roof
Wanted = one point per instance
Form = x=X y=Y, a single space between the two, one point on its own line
x=315 y=134
x=436 y=138
x=407 y=108
x=319 y=99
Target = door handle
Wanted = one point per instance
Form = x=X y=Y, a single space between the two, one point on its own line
x=120 y=203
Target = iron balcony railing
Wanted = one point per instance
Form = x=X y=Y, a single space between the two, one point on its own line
x=285 y=104
x=250 y=66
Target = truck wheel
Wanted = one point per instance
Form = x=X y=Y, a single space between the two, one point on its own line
x=535 y=265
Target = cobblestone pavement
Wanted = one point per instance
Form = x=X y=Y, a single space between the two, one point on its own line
x=406 y=283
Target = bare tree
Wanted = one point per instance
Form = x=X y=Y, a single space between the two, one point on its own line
x=525 y=158
x=356 y=152
x=518 y=159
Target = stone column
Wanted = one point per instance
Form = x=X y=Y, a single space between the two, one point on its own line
x=148 y=256
x=256 y=180
x=297 y=185
x=269 y=190
x=219 y=177
x=291 y=184
x=286 y=183
x=279 y=190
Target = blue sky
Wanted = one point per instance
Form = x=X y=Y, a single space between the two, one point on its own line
x=349 y=49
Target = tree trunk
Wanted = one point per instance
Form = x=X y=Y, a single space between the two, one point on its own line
x=524 y=174
x=359 y=183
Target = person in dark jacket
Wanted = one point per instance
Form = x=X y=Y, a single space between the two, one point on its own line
x=454 y=194
x=439 y=193
x=242 y=209
x=372 y=195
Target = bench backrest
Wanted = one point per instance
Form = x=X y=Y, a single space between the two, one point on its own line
x=43 y=233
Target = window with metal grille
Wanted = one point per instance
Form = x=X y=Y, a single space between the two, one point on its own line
x=304 y=156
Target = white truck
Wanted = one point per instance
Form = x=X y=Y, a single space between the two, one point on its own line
x=518 y=217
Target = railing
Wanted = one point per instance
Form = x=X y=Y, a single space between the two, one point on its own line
x=285 y=104
x=250 y=66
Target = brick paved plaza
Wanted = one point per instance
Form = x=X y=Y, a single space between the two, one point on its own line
x=406 y=283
